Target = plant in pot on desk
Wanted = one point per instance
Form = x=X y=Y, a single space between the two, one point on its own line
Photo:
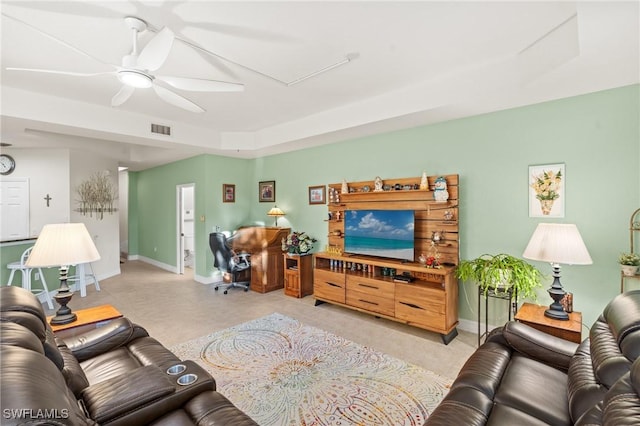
x=500 y=273
x=629 y=263
x=297 y=243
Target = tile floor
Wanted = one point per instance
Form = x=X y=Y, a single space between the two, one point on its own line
x=175 y=308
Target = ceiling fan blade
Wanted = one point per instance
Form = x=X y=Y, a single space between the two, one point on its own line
x=175 y=99
x=157 y=50
x=122 y=96
x=201 y=85
x=62 y=42
x=75 y=74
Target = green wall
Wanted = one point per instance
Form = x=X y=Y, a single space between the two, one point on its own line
x=597 y=136
x=153 y=211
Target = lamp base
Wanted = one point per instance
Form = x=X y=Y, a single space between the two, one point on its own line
x=63 y=319
x=556 y=311
x=556 y=314
x=64 y=295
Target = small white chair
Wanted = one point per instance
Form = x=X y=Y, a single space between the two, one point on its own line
x=26 y=276
x=81 y=277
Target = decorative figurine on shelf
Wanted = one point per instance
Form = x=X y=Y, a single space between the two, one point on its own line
x=377 y=184
x=440 y=193
x=424 y=182
x=422 y=259
x=345 y=187
x=448 y=215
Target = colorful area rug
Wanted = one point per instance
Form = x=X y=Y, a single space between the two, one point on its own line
x=282 y=372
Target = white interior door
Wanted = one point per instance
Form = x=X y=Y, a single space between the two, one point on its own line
x=14 y=208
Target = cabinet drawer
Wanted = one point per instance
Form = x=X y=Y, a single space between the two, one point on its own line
x=372 y=295
x=327 y=288
x=328 y=276
x=421 y=306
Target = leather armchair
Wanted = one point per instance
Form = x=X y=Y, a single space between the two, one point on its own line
x=523 y=376
x=115 y=375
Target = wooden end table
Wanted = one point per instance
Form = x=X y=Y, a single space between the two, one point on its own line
x=88 y=319
x=533 y=315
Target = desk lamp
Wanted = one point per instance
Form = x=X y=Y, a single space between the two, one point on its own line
x=275 y=211
x=557 y=243
x=63 y=244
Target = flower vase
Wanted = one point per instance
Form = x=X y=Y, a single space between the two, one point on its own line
x=628 y=270
x=546 y=206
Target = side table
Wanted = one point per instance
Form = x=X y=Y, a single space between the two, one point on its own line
x=88 y=319
x=533 y=315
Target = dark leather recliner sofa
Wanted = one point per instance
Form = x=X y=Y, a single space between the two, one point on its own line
x=521 y=376
x=114 y=375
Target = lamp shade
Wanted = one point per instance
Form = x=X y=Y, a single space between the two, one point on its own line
x=63 y=244
x=557 y=243
x=275 y=211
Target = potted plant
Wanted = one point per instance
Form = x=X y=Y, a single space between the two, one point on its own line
x=501 y=272
x=297 y=243
x=629 y=263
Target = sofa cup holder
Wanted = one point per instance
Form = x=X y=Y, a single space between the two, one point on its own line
x=174 y=370
x=187 y=379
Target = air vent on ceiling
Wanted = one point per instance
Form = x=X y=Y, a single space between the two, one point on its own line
x=160 y=129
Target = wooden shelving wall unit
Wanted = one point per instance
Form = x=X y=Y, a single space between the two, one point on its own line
x=431 y=300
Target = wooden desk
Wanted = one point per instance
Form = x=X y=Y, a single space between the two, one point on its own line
x=533 y=315
x=87 y=319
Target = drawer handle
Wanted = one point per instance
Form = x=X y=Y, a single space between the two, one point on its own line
x=366 y=301
x=411 y=305
x=334 y=285
x=368 y=286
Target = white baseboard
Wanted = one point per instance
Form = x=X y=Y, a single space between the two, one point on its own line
x=160 y=265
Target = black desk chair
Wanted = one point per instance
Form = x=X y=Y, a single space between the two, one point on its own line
x=227 y=261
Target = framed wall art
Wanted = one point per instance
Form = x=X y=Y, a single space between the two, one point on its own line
x=228 y=193
x=546 y=190
x=317 y=195
x=267 y=191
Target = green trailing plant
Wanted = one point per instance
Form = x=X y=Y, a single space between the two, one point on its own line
x=630 y=259
x=500 y=272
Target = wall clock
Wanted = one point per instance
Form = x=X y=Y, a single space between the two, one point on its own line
x=7 y=164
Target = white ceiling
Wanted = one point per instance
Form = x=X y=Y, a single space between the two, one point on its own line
x=416 y=63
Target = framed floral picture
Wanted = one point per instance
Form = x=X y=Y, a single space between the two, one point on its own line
x=317 y=195
x=546 y=190
x=267 y=191
x=228 y=193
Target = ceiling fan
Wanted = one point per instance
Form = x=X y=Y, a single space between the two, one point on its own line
x=137 y=69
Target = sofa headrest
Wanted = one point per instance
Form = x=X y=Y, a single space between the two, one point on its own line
x=623 y=314
x=13 y=334
x=32 y=387
x=23 y=307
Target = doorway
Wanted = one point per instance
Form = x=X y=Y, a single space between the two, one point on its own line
x=186 y=253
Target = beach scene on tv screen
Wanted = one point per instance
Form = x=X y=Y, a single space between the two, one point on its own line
x=384 y=233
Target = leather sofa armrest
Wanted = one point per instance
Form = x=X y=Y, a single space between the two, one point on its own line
x=100 y=340
x=551 y=350
x=108 y=400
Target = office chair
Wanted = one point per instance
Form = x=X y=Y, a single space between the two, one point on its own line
x=227 y=261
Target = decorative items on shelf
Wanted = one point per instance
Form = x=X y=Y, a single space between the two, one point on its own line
x=334 y=250
x=424 y=183
x=629 y=263
x=377 y=184
x=345 y=187
x=440 y=193
x=297 y=243
x=334 y=197
x=448 y=215
x=97 y=195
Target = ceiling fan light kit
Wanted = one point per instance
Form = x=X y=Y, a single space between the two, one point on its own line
x=135 y=78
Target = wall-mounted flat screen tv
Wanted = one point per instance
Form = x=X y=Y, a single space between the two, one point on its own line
x=384 y=233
